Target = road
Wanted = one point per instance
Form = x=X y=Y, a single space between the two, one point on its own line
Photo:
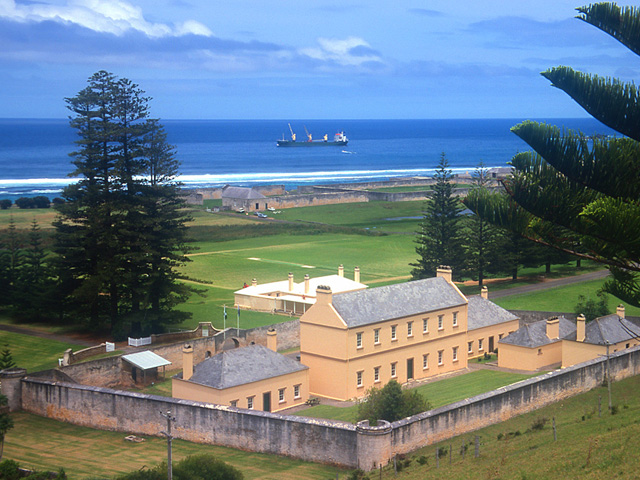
x=560 y=282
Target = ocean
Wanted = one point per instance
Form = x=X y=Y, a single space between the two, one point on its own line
x=34 y=153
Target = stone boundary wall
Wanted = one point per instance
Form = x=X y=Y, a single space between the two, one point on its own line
x=305 y=438
x=530 y=316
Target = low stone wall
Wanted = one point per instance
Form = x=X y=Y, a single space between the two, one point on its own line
x=305 y=438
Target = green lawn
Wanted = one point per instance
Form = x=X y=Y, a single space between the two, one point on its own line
x=46 y=444
x=588 y=446
x=33 y=353
x=562 y=299
x=438 y=393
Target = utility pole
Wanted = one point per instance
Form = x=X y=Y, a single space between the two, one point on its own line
x=169 y=438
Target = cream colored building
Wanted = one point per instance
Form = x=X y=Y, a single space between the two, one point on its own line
x=290 y=297
x=487 y=325
x=253 y=377
x=603 y=335
x=558 y=341
x=535 y=345
x=354 y=341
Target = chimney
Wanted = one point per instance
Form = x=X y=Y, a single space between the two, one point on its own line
x=484 y=293
x=254 y=282
x=356 y=274
x=580 y=328
x=290 y=282
x=306 y=283
x=324 y=296
x=187 y=362
x=553 y=328
x=444 y=271
x=620 y=311
x=341 y=270
x=272 y=339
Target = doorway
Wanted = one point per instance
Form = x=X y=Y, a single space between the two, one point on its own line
x=409 y=369
x=491 y=346
x=266 y=401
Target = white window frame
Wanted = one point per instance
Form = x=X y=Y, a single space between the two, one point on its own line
x=440 y=322
x=359 y=379
x=394 y=370
x=425 y=325
x=359 y=340
x=455 y=319
x=480 y=344
x=409 y=329
x=296 y=391
x=234 y=403
x=394 y=333
x=440 y=357
x=376 y=336
x=470 y=347
x=250 y=402
x=425 y=361
x=376 y=374
x=455 y=354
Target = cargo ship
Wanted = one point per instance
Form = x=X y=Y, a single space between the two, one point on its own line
x=339 y=140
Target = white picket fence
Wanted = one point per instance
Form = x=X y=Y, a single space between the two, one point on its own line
x=138 y=342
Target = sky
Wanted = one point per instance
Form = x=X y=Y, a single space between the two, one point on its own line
x=286 y=59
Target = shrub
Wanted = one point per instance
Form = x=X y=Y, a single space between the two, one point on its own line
x=391 y=403
x=25 y=202
x=422 y=459
x=539 y=423
x=41 y=202
x=5 y=203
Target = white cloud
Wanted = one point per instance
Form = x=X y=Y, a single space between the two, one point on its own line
x=107 y=16
x=352 y=51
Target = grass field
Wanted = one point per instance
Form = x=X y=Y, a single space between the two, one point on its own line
x=33 y=353
x=562 y=299
x=46 y=444
x=438 y=393
x=588 y=447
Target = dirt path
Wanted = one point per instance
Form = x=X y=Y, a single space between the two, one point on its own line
x=74 y=339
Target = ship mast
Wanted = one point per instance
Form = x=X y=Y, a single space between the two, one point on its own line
x=293 y=135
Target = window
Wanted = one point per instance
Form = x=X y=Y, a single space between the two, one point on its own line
x=440 y=322
x=425 y=361
x=470 y=347
x=296 y=391
x=409 y=329
x=359 y=340
x=359 y=379
x=425 y=325
x=440 y=357
x=234 y=403
x=376 y=336
x=250 y=402
x=393 y=370
x=500 y=336
x=480 y=344
x=455 y=354
x=376 y=374
x=393 y=332
x=539 y=351
x=281 y=395
x=455 y=319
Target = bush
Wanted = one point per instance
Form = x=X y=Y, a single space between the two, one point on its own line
x=9 y=470
x=422 y=460
x=25 y=202
x=539 y=423
x=5 y=203
x=591 y=308
x=391 y=403
x=41 y=202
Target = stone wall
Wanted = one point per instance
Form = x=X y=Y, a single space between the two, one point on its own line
x=305 y=438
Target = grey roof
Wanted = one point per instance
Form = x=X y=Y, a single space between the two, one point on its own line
x=145 y=360
x=243 y=193
x=374 y=305
x=483 y=313
x=535 y=334
x=609 y=329
x=243 y=365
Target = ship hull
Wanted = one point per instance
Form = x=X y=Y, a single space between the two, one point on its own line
x=318 y=143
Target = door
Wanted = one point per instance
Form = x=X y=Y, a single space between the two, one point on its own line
x=266 y=401
x=491 y=344
x=409 y=369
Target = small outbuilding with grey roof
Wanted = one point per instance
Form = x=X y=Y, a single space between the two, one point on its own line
x=535 y=345
x=246 y=198
x=592 y=339
x=143 y=366
x=253 y=377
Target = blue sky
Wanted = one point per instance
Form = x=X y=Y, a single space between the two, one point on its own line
x=286 y=59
